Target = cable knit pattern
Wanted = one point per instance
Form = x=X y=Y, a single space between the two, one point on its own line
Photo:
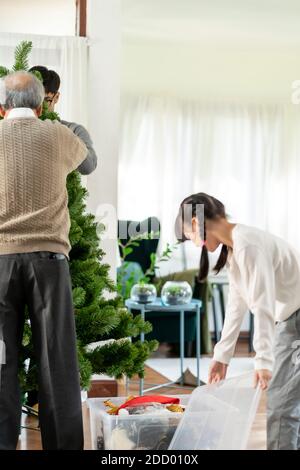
x=35 y=158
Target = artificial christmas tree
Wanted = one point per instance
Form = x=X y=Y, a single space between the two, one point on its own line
x=98 y=318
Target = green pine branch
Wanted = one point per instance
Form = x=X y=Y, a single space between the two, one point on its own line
x=46 y=114
x=22 y=52
x=121 y=357
x=3 y=71
x=130 y=325
x=94 y=322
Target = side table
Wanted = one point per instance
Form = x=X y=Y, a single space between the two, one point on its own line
x=158 y=306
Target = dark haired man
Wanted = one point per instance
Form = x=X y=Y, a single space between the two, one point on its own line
x=51 y=82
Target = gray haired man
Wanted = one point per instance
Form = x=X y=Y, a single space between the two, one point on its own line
x=35 y=159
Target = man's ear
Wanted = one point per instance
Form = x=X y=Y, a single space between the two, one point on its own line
x=57 y=96
x=2 y=111
x=39 y=111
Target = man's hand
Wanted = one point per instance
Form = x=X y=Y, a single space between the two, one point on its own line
x=262 y=378
x=217 y=371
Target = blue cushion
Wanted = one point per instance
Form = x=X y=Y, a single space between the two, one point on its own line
x=129 y=270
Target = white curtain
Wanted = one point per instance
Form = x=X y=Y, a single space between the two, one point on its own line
x=67 y=56
x=247 y=156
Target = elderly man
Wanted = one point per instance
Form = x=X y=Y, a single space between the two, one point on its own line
x=35 y=159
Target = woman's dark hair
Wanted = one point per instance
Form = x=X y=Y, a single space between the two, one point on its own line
x=51 y=79
x=203 y=207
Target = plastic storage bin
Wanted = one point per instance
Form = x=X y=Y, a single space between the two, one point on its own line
x=131 y=432
x=218 y=417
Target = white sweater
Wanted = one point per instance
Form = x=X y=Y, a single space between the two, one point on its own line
x=264 y=277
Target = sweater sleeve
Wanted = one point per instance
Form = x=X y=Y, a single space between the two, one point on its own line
x=258 y=277
x=90 y=162
x=73 y=151
x=235 y=312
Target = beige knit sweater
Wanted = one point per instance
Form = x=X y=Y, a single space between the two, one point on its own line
x=35 y=158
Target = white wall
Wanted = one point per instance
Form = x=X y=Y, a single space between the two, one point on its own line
x=209 y=72
x=104 y=102
x=221 y=50
x=50 y=17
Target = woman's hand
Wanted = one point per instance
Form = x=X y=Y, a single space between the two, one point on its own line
x=217 y=371
x=262 y=378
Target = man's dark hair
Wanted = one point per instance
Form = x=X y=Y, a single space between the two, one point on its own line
x=51 y=79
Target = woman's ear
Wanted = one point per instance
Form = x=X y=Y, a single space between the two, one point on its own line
x=195 y=225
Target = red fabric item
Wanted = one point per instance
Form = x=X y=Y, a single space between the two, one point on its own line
x=150 y=399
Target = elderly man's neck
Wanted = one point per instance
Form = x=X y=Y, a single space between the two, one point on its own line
x=20 y=112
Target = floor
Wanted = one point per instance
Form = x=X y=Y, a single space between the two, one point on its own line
x=30 y=436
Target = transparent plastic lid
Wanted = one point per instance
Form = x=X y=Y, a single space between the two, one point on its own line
x=219 y=416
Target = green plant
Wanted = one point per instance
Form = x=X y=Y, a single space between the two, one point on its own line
x=175 y=290
x=99 y=312
x=143 y=287
x=125 y=282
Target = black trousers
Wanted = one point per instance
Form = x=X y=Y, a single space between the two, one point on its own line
x=41 y=281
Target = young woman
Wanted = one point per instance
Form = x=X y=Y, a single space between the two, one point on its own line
x=264 y=277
